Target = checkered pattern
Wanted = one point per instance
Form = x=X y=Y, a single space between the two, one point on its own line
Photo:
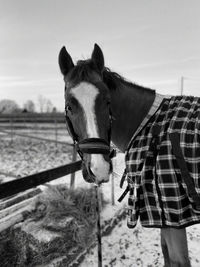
x=158 y=194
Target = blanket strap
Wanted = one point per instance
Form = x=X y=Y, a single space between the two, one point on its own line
x=124 y=194
x=175 y=141
x=123 y=178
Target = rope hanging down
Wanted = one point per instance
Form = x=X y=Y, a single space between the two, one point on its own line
x=98 y=209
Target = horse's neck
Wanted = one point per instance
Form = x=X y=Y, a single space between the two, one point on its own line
x=130 y=105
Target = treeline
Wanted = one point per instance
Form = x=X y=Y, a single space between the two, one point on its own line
x=43 y=105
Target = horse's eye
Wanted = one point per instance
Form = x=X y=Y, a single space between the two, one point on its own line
x=68 y=108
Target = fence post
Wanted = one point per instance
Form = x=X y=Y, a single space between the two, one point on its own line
x=74 y=158
x=11 y=131
x=113 y=184
x=56 y=131
x=36 y=127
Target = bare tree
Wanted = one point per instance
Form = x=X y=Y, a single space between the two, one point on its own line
x=45 y=105
x=8 y=106
x=49 y=106
x=29 y=106
x=41 y=102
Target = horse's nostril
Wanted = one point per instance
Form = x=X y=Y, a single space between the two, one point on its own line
x=88 y=174
x=90 y=171
x=111 y=167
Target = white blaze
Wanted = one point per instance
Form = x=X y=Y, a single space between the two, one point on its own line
x=86 y=94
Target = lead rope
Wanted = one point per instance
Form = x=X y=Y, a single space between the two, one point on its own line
x=97 y=193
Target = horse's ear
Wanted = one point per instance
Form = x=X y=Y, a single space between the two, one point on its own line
x=65 y=61
x=98 y=58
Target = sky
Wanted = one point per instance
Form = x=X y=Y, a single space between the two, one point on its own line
x=151 y=42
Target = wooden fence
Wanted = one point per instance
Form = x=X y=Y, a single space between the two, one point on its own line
x=12 y=133
x=19 y=185
x=12 y=125
x=10 y=212
x=32 y=117
x=18 y=196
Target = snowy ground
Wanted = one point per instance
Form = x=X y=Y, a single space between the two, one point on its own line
x=124 y=247
x=25 y=156
x=139 y=247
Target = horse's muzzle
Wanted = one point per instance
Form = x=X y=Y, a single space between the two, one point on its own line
x=89 y=176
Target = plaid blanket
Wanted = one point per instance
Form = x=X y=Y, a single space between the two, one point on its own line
x=163 y=166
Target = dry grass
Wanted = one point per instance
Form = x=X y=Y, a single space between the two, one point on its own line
x=71 y=213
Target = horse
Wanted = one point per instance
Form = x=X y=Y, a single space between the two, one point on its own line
x=103 y=107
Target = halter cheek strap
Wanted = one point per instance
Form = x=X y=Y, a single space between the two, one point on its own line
x=71 y=129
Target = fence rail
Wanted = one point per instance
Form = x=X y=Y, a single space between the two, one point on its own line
x=33 y=117
x=35 y=137
x=16 y=186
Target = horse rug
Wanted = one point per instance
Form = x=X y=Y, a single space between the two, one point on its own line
x=163 y=166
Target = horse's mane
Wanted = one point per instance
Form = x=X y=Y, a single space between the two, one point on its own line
x=82 y=72
x=112 y=80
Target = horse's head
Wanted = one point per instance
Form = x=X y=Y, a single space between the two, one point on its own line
x=87 y=105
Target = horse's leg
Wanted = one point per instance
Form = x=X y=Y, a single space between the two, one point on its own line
x=165 y=250
x=175 y=248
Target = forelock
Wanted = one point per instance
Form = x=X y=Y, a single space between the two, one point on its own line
x=85 y=70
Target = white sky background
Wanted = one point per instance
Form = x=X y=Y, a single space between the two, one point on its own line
x=150 y=42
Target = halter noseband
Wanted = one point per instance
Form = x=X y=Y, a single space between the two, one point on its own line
x=94 y=146
x=91 y=145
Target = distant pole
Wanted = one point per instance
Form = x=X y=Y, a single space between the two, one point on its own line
x=182 y=85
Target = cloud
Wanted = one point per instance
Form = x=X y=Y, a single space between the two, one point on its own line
x=9 y=78
x=163 y=82
x=161 y=63
x=15 y=81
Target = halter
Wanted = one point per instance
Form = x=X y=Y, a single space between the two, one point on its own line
x=92 y=145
